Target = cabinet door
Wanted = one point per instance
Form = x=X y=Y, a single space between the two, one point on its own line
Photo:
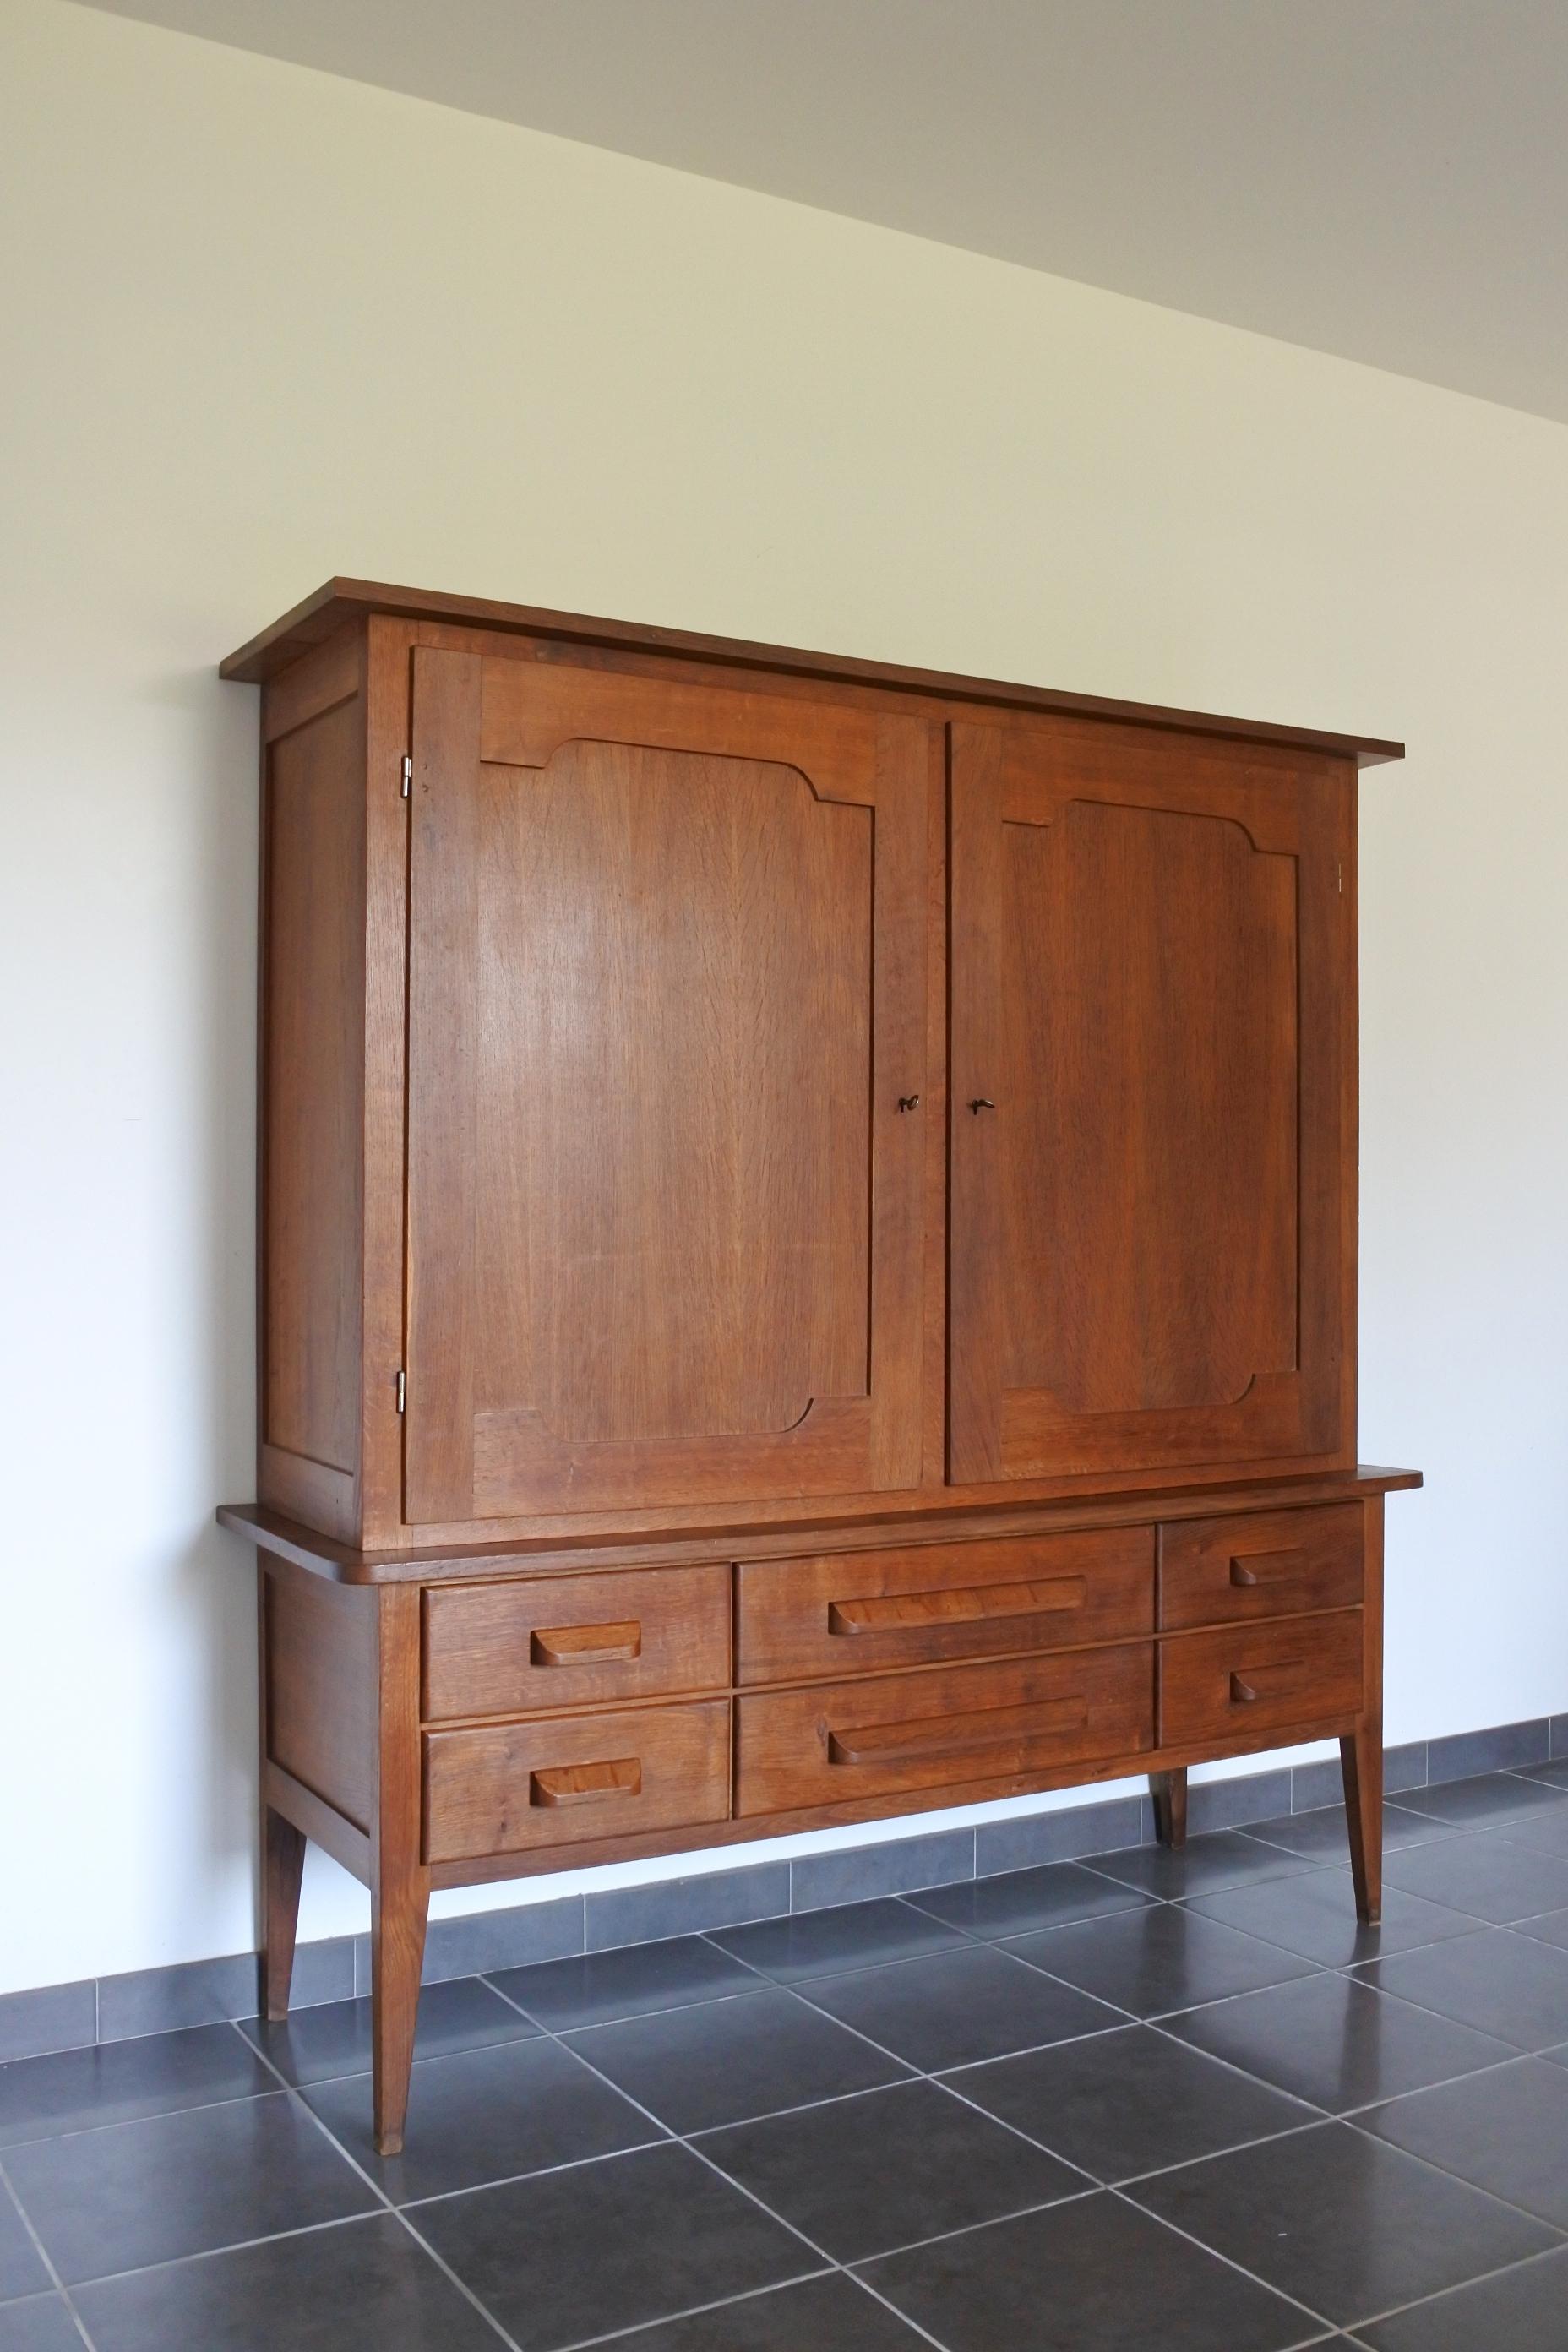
x=1154 y=980
x=666 y=973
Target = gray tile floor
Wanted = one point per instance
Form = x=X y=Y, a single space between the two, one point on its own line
x=1096 y=2106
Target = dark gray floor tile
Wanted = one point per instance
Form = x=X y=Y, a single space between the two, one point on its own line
x=824 y=1943
x=21 y=2272
x=821 y=2314
x=1484 y=1803
x=1242 y=1796
x=1324 y=1835
x=855 y=1873
x=957 y=2007
x=1167 y=1958
x=1316 y=1916
x=1506 y=2130
x=685 y=1907
x=1129 y=2102
x=731 y=2060
x=1093 y=2276
x=1018 y=1900
x=1553 y=1930
x=366 y=2286
x=1521 y=2310
x=195 y=1993
x=626 y=1982
x=861 y=2176
x=54 y=2016
x=313 y=2045
x=1543 y=1832
x=1553 y=1776
x=576 y=2254
x=1326 y=2040
x=1228 y=1858
x=40 y=2324
x=513 y=1938
x=1502 y=1746
x=75 y=2089
x=155 y=2191
x=1063 y=1834
x=1487 y=1874
x=482 y=2115
x=1295 y=2211
x=1510 y=1986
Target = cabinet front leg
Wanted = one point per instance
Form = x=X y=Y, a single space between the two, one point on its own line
x=397 y=1955
x=400 y=1882
x=1169 y=1791
x=1360 y=1761
x=282 y=1865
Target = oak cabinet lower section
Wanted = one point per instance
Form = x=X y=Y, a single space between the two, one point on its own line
x=498 y=1715
x=946 y=1728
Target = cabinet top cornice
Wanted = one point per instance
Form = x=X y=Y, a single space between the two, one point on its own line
x=338 y=601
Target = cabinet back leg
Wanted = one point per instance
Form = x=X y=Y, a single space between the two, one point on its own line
x=1360 y=1761
x=1169 y=1791
x=282 y=1864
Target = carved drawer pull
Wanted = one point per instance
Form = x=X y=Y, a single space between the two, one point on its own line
x=935 y=1737
x=891 y=1612
x=1268 y=1568
x=1274 y=1682
x=585 y=1784
x=585 y=1645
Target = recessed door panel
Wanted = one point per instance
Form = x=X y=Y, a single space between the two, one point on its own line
x=1152 y=951
x=667 y=987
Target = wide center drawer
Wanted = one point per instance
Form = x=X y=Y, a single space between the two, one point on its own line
x=501 y=1787
x=1260 y=1564
x=955 y=1726
x=861 y=1611
x=569 y=1641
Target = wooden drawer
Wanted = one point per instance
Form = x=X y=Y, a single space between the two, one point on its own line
x=861 y=1611
x=565 y=1641
x=1012 y=1720
x=1267 y=1564
x=1246 y=1679
x=505 y=1787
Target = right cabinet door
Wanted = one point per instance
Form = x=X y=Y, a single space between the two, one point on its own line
x=1153 y=976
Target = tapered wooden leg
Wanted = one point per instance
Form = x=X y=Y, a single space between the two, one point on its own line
x=1169 y=1791
x=282 y=1864
x=1360 y=1761
x=400 y=1884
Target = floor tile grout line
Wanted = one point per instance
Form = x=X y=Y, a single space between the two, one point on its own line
x=1558 y=2228
x=1460 y=2286
x=153 y=2115
x=388 y=2207
x=1318 y=2318
x=7 y=2189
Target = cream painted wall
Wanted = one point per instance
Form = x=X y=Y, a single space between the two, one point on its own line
x=259 y=326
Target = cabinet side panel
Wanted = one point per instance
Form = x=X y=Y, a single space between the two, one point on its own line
x=311 y=1100
x=320 y=1682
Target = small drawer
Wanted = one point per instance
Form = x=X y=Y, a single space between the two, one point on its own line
x=1245 y=1678
x=505 y=1787
x=861 y=1611
x=955 y=1728
x=1265 y=1564
x=567 y=1640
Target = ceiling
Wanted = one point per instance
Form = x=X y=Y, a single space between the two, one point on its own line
x=1386 y=180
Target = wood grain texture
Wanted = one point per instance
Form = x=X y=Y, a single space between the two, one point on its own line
x=556 y=1641
x=504 y=1787
x=1305 y=1673
x=1169 y=1792
x=319 y=1726
x=341 y=601
x=1142 y=1272
x=1268 y=1564
x=1360 y=1752
x=400 y=1884
x=944 y=1729
x=865 y=1611
x=313 y=923
x=679 y=1254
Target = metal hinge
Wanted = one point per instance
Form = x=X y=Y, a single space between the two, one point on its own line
x=402 y=1391
x=407 y=773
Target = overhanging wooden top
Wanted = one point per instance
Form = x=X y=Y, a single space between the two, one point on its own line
x=341 y=601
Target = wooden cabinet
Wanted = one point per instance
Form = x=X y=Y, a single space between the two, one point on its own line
x=807 y=1250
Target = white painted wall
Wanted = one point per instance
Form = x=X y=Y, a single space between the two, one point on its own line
x=260 y=326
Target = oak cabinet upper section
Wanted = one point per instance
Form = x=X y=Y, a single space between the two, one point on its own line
x=706 y=1084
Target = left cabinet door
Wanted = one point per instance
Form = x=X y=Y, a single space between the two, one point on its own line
x=667 y=987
